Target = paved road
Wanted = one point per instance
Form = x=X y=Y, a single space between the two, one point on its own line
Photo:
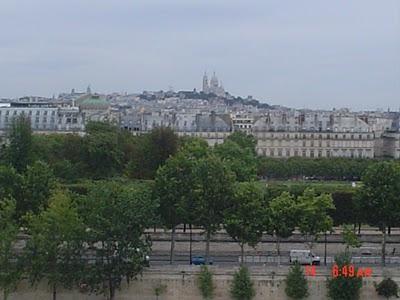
x=159 y=258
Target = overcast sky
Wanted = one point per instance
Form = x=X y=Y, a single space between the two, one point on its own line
x=308 y=53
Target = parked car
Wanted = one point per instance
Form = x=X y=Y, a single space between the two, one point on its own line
x=304 y=257
x=200 y=260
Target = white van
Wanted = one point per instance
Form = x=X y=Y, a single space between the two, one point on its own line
x=304 y=257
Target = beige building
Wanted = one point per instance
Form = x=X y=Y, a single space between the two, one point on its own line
x=326 y=134
x=315 y=144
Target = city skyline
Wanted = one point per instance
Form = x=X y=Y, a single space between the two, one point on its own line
x=308 y=55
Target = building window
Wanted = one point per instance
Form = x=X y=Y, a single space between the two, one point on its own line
x=287 y=152
x=344 y=136
x=296 y=152
x=311 y=153
x=303 y=153
x=37 y=112
x=360 y=136
x=328 y=153
x=279 y=152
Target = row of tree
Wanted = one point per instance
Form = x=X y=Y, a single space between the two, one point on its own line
x=196 y=186
x=91 y=242
x=107 y=151
x=316 y=169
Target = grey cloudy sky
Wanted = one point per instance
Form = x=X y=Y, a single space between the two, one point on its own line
x=308 y=53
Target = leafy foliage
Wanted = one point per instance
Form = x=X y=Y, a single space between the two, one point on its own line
x=20 y=148
x=387 y=288
x=314 y=216
x=380 y=196
x=242 y=287
x=350 y=238
x=320 y=168
x=241 y=160
x=342 y=287
x=115 y=217
x=213 y=193
x=54 y=251
x=245 y=220
x=205 y=283
x=296 y=283
x=283 y=213
x=10 y=268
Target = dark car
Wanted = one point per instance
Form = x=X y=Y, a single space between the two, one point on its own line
x=200 y=260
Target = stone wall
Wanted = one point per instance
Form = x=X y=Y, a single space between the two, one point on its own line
x=181 y=284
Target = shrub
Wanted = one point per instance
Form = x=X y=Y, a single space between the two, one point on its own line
x=342 y=287
x=159 y=289
x=387 y=288
x=296 y=283
x=205 y=283
x=242 y=287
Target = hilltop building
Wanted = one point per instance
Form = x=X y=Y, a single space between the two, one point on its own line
x=213 y=87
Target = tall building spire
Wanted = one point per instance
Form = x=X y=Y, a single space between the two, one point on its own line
x=206 y=87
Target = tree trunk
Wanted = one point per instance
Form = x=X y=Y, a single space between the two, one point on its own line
x=359 y=228
x=389 y=230
x=241 y=253
x=384 y=246
x=278 y=249
x=5 y=294
x=207 y=247
x=171 y=257
x=111 y=290
x=190 y=242
x=54 y=292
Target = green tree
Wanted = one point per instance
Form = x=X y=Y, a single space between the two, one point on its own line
x=102 y=151
x=54 y=251
x=155 y=148
x=380 y=195
x=243 y=140
x=38 y=185
x=387 y=288
x=283 y=214
x=20 y=148
x=242 y=287
x=205 y=283
x=173 y=188
x=296 y=283
x=213 y=194
x=116 y=216
x=245 y=220
x=350 y=238
x=10 y=268
x=344 y=287
x=242 y=161
x=314 y=216
x=11 y=183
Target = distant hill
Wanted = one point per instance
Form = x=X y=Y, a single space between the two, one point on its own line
x=228 y=99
